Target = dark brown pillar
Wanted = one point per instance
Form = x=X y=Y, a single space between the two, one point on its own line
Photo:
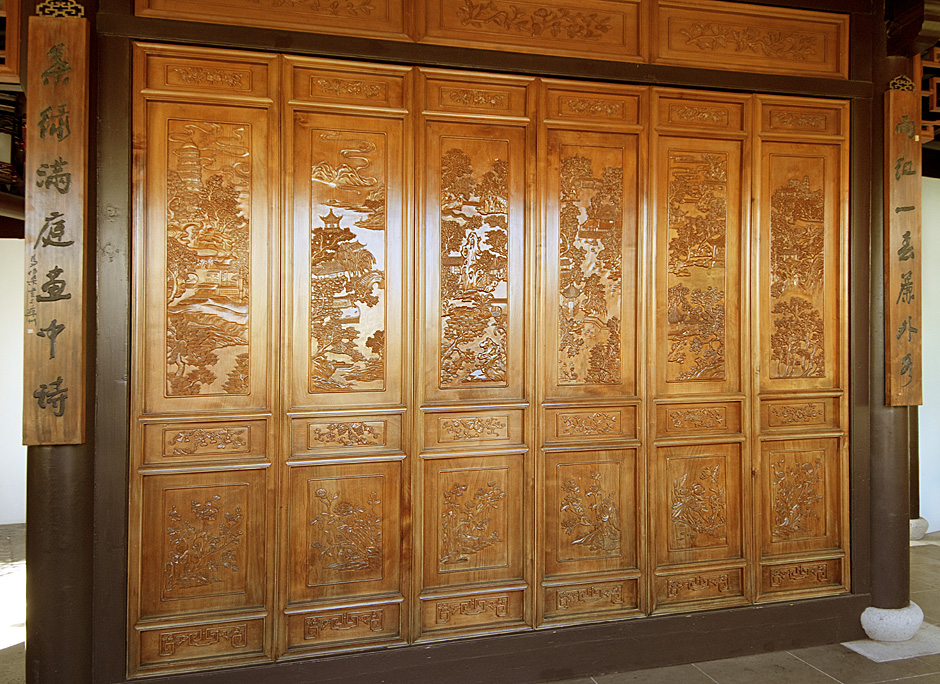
x=58 y=564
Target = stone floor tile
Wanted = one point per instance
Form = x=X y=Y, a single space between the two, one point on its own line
x=779 y=668
x=850 y=667
x=678 y=674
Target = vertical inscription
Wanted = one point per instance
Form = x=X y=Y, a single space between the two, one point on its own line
x=474 y=265
x=347 y=261
x=590 y=226
x=695 y=280
x=208 y=243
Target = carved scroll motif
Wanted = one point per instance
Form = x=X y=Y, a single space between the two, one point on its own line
x=737 y=38
x=469 y=429
x=814 y=574
x=544 y=22
x=699 y=509
x=610 y=594
x=206 y=441
x=695 y=298
x=330 y=8
x=468 y=97
x=353 y=433
x=596 y=423
x=211 y=77
x=236 y=635
x=208 y=239
x=798 y=414
x=797 y=277
x=347 y=262
x=698 y=114
x=798 y=488
x=474 y=271
x=590 y=516
x=605 y=108
x=445 y=610
x=202 y=545
x=349 y=88
x=800 y=121
x=465 y=522
x=590 y=271
x=320 y=626
x=350 y=533
x=720 y=583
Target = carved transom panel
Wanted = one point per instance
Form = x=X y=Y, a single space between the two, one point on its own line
x=208 y=240
x=695 y=296
x=347 y=261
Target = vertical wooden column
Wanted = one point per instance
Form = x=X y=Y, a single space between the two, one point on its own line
x=59 y=461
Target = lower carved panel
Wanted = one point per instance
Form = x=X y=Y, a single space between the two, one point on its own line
x=804 y=576
x=704 y=585
x=234 y=639
x=476 y=612
x=344 y=627
x=581 y=601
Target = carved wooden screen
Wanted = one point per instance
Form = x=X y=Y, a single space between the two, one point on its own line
x=424 y=354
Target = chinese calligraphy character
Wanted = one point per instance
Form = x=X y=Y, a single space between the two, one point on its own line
x=903 y=168
x=907 y=369
x=51 y=332
x=906 y=293
x=54 y=287
x=905 y=251
x=54 y=176
x=898 y=210
x=58 y=68
x=52 y=396
x=55 y=225
x=907 y=327
x=55 y=122
x=905 y=127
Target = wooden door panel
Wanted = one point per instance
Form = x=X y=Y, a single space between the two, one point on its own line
x=473 y=262
x=697 y=504
x=348 y=237
x=802 y=496
x=698 y=284
x=590 y=512
x=208 y=219
x=344 y=531
x=204 y=542
x=800 y=328
x=590 y=264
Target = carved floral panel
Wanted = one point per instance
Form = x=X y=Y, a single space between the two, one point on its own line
x=698 y=502
x=697 y=224
x=590 y=266
x=208 y=243
x=474 y=264
x=798 y=484
x=589 y=511
x=347 y=251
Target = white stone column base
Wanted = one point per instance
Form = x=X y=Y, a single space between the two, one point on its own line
x=919 y=528
x=892 y=624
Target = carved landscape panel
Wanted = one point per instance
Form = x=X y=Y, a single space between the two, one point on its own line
x=473 y=261
x=698 y=298
x=799 y=329
x=347 y=242
x=591 y=269
x=345 y=539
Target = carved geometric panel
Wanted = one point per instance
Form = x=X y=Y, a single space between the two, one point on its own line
x=571 y=601
x=744 y=37
x=591 y=28
x=809 y=575
x=589 y=265
x=699 y=290
x=590 y=516
x=203 y=542
x=474 y=239
x=229 y=640
x=473 y=519
x=344 y=530
x=801 y=495
x=698 y=503
x=475 y=612
x=347 y=243
x=800 y=224
x=725 y=585
x=207 y=223
x=343 y=627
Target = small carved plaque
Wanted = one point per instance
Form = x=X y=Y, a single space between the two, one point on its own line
x=235 y=635
x=221 y=441
x=588 y=424
x=592 y=107
x=346 y=434
x=802 y=574
x=696 y=419
x=349 y=622
x=699 y=115
x=612 y=594
x=798 y=121
x=708 y=583
x=238 y=80
x=473 y=429
x=474 y=98
x=810 y=413
x=348 y=88
x=497 y=606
